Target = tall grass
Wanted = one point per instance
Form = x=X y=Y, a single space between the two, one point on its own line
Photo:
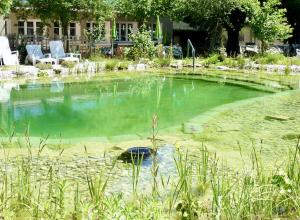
x=206 y=188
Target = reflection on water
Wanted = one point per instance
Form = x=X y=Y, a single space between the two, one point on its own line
x=5 y=90
x=94 y=109
x=57 y=86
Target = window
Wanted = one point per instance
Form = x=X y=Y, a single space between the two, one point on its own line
x=39 y=29
x=72 y=30
x=130 y=30
x=90 y=26
x=151 y=27
x=5 y=28
x=56 y=28
x=21 y=28
x=123 y=31
x=30 y=28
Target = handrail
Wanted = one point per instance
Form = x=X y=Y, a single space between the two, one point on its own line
x=190 y=45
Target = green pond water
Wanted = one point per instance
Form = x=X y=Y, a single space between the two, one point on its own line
x=106 y=109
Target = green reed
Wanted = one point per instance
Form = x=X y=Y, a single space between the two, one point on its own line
x=205 y=188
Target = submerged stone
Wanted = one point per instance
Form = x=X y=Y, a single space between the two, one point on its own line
x=291 y=136
x=136 y=153
x=191 y=128
x=278 y=117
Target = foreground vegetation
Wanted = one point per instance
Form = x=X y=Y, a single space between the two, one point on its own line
x=203 y=187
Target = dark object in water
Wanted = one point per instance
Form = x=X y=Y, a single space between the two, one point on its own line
x=136 y=153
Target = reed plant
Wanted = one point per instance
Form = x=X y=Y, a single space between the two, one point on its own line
x=202 y=188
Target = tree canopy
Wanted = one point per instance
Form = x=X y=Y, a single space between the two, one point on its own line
x=143 y=10
x=269 y=23
x=214 y=15
x=5 y=6
x=267 y=18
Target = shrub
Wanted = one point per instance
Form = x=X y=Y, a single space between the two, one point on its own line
x=221 y=57
x=42 y=73
x=123 y=65
x=230 y=62
x=160 y=50
x=111 y=65
x=164 y=62
x=143 y=46
x=271 y=59
x=287 y=70
x=241 y=62
x=214 y=59
x=97 y=58
x=68 y=64
x=43 y=66
x=295 y=61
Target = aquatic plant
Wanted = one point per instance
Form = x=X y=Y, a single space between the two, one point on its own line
x=202 y=188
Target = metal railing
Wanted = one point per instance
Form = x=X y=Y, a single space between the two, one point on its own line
x=190 y=46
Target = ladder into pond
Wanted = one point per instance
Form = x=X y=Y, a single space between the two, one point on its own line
x=190 y=46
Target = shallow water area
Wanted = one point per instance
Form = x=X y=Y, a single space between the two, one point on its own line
x=166 y=169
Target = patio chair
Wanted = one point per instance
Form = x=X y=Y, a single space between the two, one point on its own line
x=298 y=52
x=177 y=51
x=35 y=55
x=58 y=52
x=7 y=57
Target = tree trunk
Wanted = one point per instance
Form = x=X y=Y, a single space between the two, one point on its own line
x=65 y=25
x=233 y=45
x=264 y=47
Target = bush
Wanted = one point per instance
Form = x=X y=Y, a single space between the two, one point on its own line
x=43 y=66
x=214 y=59
x=42 y=73
x=68 y=64
x=271 y=59
x=287 y=70
x=241 y=62
x=230 y=62
x=97 y=58
x=123 y=65
x=160 y=50
x=162 y=62
x=111 y=65
x=143 y=46
x=295 y=61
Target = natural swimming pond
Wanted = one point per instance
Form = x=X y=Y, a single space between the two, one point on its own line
x=112 y=108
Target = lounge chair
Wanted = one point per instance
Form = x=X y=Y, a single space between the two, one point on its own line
x=58 y=52
x=298 y=52
x=7 y=57
x=35 y=55
x=177 y=51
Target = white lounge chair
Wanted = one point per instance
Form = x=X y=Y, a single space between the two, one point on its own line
x=298 y=52
x=58 y=52
x=7 y=57
x=35 y=55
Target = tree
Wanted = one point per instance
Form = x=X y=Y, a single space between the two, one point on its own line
x=293 y=16
x=143 y=10
x=269 y=23
x=57 y=10
x=5 y=6
x=67 y=10
x=214 y=15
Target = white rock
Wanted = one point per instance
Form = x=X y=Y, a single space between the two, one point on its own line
x=140 y=67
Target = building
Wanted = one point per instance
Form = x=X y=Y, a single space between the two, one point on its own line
x=20 y=31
